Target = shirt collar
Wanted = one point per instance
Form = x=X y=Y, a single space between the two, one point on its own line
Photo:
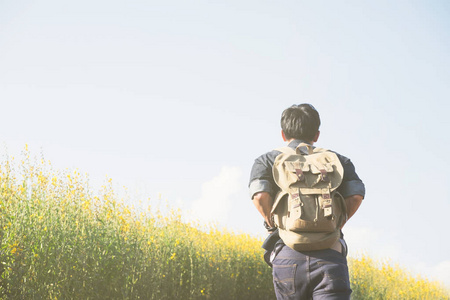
x=293 y=144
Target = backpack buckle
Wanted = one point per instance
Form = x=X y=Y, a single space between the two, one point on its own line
x=327 y=203
x=324 y=175
x=300 y=175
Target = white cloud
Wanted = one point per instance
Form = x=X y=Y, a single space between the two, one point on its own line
x=359 y=239
x=385 y=246
x=442 y=272
x=215 y=203
x=439 y=272
x=373 y=242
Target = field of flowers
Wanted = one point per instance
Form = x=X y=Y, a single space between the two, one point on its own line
x=61 y=240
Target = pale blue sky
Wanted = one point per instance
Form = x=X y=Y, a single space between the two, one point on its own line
x=180 y=97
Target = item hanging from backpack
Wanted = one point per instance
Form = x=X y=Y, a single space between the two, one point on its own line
x=308 y=210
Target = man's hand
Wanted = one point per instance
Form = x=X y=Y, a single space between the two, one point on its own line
x=263 y=203
x=353 y=202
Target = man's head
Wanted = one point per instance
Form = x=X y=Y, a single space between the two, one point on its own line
x=301 y=122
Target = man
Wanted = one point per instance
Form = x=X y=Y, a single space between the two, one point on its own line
x=318 y=274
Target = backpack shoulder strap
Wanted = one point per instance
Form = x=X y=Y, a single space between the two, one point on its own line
x=309 y=148
x=286 y=150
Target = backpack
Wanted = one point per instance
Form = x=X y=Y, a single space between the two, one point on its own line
x=308 y=210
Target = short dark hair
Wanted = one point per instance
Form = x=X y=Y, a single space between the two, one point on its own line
x=300 y=122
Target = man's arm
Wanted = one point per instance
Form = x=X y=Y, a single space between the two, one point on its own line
x=263 y=203
x=353 y=202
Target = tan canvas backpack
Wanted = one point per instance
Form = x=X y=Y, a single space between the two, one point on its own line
x=308 y=210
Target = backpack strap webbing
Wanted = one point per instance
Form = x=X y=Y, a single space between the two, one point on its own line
x=310 y=149
x=286 y=150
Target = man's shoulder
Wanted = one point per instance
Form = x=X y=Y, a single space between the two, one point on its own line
x=343 y=159
x=268 y=158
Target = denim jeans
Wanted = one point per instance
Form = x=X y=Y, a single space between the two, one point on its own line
x=306 y=275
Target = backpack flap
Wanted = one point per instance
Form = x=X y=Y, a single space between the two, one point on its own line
x=301 y=171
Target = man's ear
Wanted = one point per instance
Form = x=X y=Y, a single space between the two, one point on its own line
x=316 y=137
x=284 y=136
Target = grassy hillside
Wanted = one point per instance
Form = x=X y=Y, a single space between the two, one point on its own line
x=60 y=240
